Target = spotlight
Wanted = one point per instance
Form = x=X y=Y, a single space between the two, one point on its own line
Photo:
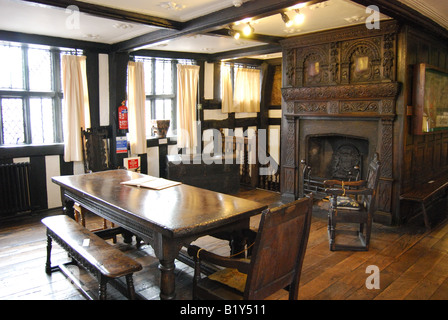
x=288 y=22
x=234 y=33
x=248 y=30
x=299 y=17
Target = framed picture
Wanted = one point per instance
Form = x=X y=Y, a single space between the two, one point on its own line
x=430 y=99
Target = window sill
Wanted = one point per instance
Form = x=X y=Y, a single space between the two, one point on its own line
x=156 y=141
x=28 y=150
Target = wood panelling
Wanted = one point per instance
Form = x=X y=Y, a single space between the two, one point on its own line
x=429 y=151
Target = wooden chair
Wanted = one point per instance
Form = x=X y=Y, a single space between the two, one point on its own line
x=95 y=151
x=276 y=260
x=95 y=158
x=353 y=202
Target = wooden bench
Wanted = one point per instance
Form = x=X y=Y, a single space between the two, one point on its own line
x=424 y=192
x=91 y=252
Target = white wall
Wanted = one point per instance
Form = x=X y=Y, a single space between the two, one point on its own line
x=52 y=169
x=103 y=62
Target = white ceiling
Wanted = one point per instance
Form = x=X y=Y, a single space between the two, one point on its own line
x=326 y=15
x=32 y=18
x=179 y=10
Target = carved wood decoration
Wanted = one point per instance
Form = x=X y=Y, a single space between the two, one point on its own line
x=347 y=74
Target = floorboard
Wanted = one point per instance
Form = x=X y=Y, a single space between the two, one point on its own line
x=413 y=262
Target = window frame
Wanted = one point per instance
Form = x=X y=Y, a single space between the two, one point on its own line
x=172 y=96
x=151 y=98
x=26 y=94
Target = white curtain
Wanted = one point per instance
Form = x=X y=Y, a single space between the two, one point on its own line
x=136 y=107
x=226 y=89
x=247 y=90
x=76 y=105
x=187 y=90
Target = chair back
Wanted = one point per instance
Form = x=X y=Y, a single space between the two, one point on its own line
x=279 y=249
x=95 y=150
x=373 y=175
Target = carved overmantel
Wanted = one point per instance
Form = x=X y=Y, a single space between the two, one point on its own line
x=343 y=79
x=362 y=100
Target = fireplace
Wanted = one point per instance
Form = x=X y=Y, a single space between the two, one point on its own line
x=333 y=157
x=346 y=113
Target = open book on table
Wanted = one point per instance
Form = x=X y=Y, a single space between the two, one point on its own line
x=151 y=183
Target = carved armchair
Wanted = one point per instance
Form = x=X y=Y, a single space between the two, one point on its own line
x=276 y=260
x=353 y=202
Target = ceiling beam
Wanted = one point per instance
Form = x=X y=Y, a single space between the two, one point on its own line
x=253 y=36
x=213 y=21
x=253 y=51
x=54 y=41
x=112 y=13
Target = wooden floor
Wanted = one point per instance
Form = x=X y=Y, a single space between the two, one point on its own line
x=413 y=263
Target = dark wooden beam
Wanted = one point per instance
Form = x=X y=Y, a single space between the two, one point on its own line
x=54 y=41
x=112 y=13
x=169 y=54
x=259 y=50
x=146 y=39
x=213 y=21
x=255 y=36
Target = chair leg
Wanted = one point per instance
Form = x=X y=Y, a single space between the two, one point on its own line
x=425 y=217
x=79 y=214
x=196 y=277
x=114 y=238
x=332 y=223
x=331 y=231
x=368 y=230
x=48 y=263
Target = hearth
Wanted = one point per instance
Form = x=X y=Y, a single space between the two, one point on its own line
x=333 y=157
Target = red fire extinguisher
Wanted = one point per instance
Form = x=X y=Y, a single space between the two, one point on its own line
x=123 y=116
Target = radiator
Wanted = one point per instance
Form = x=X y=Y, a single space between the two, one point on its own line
x=14 y=188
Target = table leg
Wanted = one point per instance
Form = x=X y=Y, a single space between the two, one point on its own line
x=68 y=208
x=167 y=279
x=166 y=251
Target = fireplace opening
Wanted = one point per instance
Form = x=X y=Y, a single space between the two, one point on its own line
x=333 y=157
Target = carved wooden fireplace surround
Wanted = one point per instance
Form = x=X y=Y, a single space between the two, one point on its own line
x=340 y=82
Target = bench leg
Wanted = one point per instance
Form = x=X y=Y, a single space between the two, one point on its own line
x=48 y=263
x=102 y=287
x=130 y=286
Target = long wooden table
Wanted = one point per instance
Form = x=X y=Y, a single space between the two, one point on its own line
x=166 y=219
